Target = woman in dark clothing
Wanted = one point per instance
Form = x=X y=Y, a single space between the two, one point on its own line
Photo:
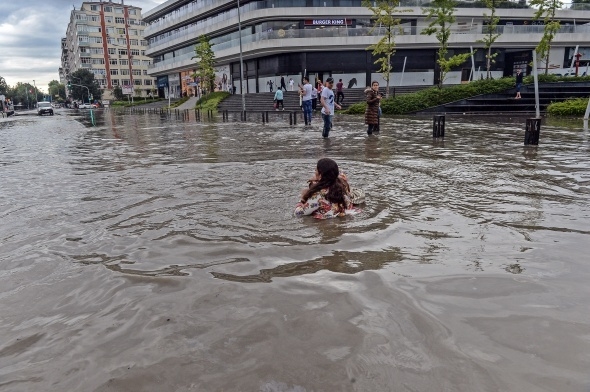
x=372 y=112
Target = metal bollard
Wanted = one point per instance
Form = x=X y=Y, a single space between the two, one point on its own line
x=532 y=131
x=262 y=117
x=290 y=118
x=267 y=116
x=294 y=118
x=438 y=126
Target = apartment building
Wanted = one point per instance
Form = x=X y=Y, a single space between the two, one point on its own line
x=330 y=38
x=107 y=38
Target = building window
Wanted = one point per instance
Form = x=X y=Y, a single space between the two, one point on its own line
x=83 y=38
x=137 y=82
x=113 y=61
x=136 y=72
x=114 y=72
x=108 y=19
x=120 y=31
x=111 y=41
x=124 y=72
x=95 y=8
x=146 y=62
x=132 y=32
x=123 y=62
x=132 y=12
x=147 y=82
x=133 y=42
x=144 y=42
x=112 y=51
x=110 y=30
x=122 y=52
x=126 y=82
x=121 y=41
x=97 y=61
x=119 y=20
x=96 y=40
x=115 y=82
x=94 y=18
x=85 y=60
x=145 y=72
x=108 y=9
x=133 y=21
x=118 y=10
x=135 y=52
x=136 y=62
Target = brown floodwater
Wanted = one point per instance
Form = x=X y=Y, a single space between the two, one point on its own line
x=159 y=253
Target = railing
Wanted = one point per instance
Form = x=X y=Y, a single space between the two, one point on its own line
x=357 y=32
x=193 y=9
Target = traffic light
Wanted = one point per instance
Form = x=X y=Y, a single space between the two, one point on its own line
x=69 y=85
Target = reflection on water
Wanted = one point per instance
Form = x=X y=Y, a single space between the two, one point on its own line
x=131 y=243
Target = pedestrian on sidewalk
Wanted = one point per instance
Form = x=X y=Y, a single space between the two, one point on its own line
x=279 y=100
x=291 y=83
x=339 y=92
x=328 y=106
x=518 y=83
x=372 y=111
x=305 y=92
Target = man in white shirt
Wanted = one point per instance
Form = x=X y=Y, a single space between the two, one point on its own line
x=328 y=106
x=305 y=92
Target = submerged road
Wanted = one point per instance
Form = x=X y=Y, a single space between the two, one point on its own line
x=157 y=253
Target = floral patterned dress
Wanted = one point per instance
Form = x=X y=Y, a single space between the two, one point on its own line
x=319 y=207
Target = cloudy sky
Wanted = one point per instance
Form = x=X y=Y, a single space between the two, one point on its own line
x=30 y=37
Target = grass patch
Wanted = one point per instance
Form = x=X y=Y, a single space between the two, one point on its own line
x=211 y=100
x=136 y=102
x=570 y=107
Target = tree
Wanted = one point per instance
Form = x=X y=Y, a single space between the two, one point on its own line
x=23 y=94
x=205 y=63
x=83 y=77
x=118 y=93
x=442 y=13
x=491 y=35
x=57 y=91
x=546 y=9
x=384 y=49
x=3 y=86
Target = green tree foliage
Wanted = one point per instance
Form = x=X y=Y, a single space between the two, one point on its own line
x=118 y=93
x=85 y=78
x=57 y=91
x=491 y=35
x=442 y=16
x=3 y=86
x=205 y=63
x=23 y=94
x=387 y=24
x=546 y=10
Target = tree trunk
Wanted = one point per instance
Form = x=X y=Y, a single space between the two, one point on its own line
x=388 y=75
x=489 y=62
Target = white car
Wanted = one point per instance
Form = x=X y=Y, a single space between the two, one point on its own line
x=85 y=106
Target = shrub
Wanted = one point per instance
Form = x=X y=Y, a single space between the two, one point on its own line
x=434 y=96
x=211 y=100
x=570 y=107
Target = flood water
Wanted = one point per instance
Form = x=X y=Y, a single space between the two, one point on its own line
x=155 y=253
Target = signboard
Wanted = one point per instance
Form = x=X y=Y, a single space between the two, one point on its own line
x=106 y=103
x=328 y=22
x=127 y=90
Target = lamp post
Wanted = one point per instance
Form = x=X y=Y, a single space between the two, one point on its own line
x=35 y=92
x=241 y=61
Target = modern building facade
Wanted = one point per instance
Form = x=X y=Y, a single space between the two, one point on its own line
x=330 y=38
x=107 y=38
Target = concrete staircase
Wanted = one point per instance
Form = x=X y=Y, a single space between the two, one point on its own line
x=264 y=101
x=506 y=103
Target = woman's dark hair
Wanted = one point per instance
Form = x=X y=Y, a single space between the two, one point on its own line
x=337 y=187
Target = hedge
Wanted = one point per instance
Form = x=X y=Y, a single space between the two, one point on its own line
x=570 y=107
x=434 y=96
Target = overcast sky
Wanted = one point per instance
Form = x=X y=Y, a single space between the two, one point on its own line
x=30 y=37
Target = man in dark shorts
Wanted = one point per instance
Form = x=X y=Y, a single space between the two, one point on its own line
x=518 y=83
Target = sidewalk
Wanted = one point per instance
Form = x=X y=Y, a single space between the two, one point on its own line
x=190 y=104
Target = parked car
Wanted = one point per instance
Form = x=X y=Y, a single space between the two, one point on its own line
x=44 y=108
x=85 y=106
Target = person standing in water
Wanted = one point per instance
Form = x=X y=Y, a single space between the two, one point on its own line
x=372 y=111
x=327 y=100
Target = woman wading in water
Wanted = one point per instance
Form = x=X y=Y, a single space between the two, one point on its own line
x=329 y=194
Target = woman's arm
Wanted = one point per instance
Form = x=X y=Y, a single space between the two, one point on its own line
x=308 y=207
x=372 y=97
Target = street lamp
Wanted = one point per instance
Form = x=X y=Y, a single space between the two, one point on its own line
x=35 y=91
x=241 y=61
